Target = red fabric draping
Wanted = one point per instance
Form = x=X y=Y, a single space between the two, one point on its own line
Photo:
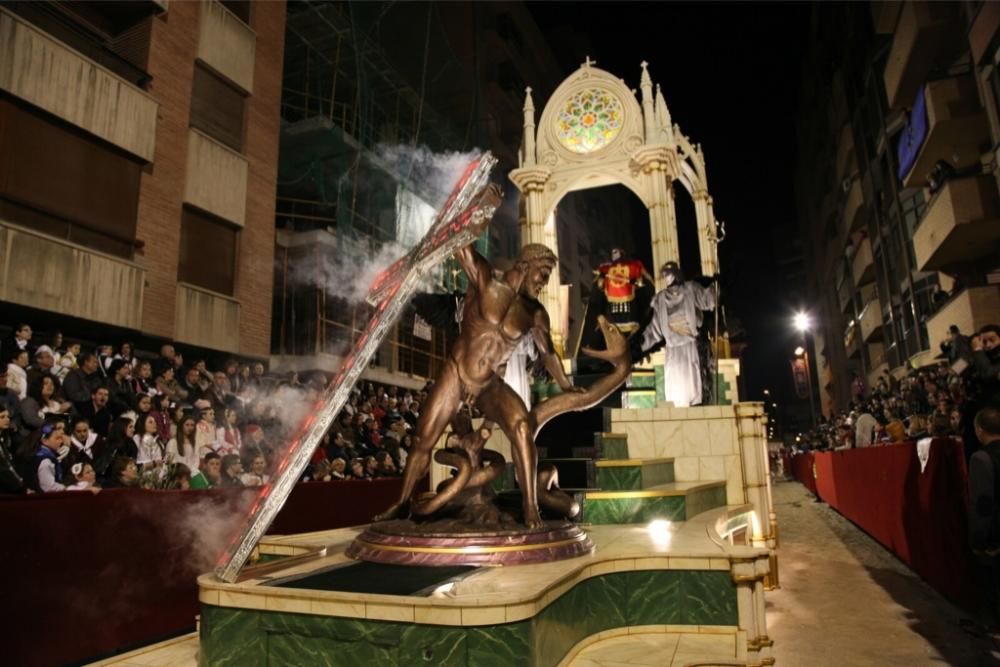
x=919 y=516
x=87 y=576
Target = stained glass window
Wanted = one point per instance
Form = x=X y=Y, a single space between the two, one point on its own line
x=589 y=121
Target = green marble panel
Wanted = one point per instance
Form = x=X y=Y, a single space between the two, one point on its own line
x=499 y=645
x=704 y=500
x=291 y=650
x=661 y=395
x=638 y=398
x=436 y=645
x=724 y=387
x=642 y=380
x=346 y=630
x=269 y=558
x=654 y=474
x=619 y=479
x=681 y=597
x=230 y=637
x=633 y=510
x=614 y=448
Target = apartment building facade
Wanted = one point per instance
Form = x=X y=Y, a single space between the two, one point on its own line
x=897 y=184
x=138 y=153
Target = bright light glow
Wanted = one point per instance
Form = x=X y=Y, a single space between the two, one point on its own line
x=798 y=438
x=659 y=531
x=757 y=534
x=799 y=351
x=802 y=322
x=767 y=392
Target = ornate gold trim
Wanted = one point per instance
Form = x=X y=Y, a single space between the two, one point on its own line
x=470 y=549
x=650 y=493
x=630 y=463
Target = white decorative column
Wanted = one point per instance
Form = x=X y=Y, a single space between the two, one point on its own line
x=658 y=165
x=706 y=232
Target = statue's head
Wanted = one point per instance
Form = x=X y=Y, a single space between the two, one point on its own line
x=617 y=254
x=535 y=264
x=671 y=274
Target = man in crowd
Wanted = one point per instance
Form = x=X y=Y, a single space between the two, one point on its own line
x=10 y=481
x=192 y=385
x=96 y=411
x=45 y=361
x=45 y=469
x=121 y=397
x=957 y=346
x=21 y=340
x=210 y=474
x=986 y=363
x=984 y=511
x=80 y=382
x=9 y=399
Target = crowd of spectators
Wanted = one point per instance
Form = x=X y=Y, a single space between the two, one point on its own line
x=940 y=400
x=79 y=419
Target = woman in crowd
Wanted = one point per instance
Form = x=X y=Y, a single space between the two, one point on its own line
x=255 y=474
x=42 y=400
x=204 y=434
x=182 y=449
x=227 y=436
x=167 y=384
x=180 y=477
x=161 y=413
x=358 y=469
x=125 y=354
x=386 y=467
x=143 y=404
x=232 y=468
x=86 y=443
x=119 y=444
x=67 y=360
x=147 y=440
x=80 y=476
x=123 y=473
x=338 y=468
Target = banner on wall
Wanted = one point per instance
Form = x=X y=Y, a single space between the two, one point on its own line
x=421 y=329
x=911 y=139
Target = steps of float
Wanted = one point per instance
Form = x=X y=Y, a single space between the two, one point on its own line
x=674 y=501
x=633 y=474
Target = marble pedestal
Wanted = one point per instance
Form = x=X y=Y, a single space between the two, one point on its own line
x=688 y=577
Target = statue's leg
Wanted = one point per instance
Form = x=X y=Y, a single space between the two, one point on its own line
x=435 y=414
x=499 y=403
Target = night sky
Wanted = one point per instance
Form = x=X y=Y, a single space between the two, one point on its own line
x=730 y=75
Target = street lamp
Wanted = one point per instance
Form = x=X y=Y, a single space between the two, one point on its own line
x=803 y=323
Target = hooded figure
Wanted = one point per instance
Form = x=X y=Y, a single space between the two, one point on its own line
x=677 y=315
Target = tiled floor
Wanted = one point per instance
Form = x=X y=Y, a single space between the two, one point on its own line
x=662 y=650
x=178 y=652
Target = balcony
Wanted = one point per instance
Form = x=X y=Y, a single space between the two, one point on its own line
x=885 y=15
x=216 y=178
x=962 y=224
x=227 y=44
x=207 y=319
x=852 y=341
x=924 y=31
x=871 y=321
x=852 y=206
x=969 y=310
x=863 y=265
x=48 y=74
x=956 y=127
x=58 y=276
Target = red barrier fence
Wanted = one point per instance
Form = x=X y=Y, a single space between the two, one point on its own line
x=87 y=576
x=919 y=516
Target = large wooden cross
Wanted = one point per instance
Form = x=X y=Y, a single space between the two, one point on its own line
x=453 y=227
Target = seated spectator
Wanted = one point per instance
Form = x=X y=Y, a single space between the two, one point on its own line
x=338 y=468
x=105 y=355
x=169 y=354
x=10 y=479
x=85 y=443
x=180 y=477
x=231 y=469
x=255 y=475
x=167 y=385
x=96 y=411
x=123 y=473
x=17 y=376
x=121 y=392
x=358 y=469
x=151 y=449
x=161 y=413
x=205 y=429
x=340 y=448
x=118 y=444
x=42 y=400
x=80 y=382
x=68 y=360
x=371 y=466
x=210 y=474
x=218 y=393
x=143 y=404
x=20 y=340
x=125 y=353
x=44 y=471
x=10 y=400
x=227 y=436
x=182 y=448
x=385 y=466
x=190 y=389
x=44 y=365
x=142 y=379
x=80 y=477
x=412 y=413
x=894 y=427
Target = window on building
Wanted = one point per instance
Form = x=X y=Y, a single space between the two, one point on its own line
x=58 y=180
x=208 y=252
x=217 y=108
